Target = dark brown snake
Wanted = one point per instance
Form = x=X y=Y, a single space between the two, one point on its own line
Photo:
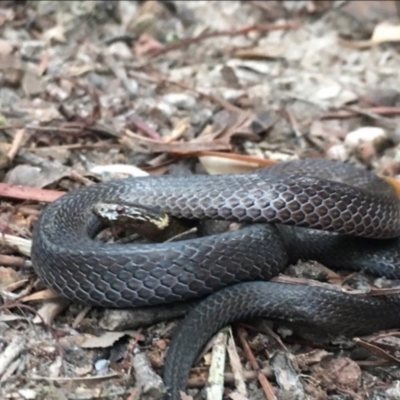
x=357 y=206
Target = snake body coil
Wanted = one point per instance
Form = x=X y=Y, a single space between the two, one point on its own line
x=314 y=194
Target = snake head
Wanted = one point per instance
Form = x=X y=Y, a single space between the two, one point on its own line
x=144 y=220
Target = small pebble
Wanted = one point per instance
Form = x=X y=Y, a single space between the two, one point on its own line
x=32 y=49
x=27 y=394
x=167 y=109
x=120 y=50
x=180 y=100
x=337 y=152
x=366 y=135
x=101 y=366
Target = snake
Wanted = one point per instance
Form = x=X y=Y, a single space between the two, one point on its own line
x=336 y=213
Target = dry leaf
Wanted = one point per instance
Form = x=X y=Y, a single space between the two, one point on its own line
x=38 y=177
x=106 y=340
x=56 y=33
x=185 y=396
x=343 y=372
x=221 y=164
x=306 y=359
x=147 y=45
x=32 y=84
x=46 y=294
x=50 y=310
x=6 y=47
x=385 y=32
x=381 y=347
x=8 y=276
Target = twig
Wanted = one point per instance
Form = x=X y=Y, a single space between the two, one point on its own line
x=78 y=146
x=29 y=193
x=215 y=387
x=268 y=390
x=236 y=365
x=143 y=127
x=12 y=261
x=372 y=112
x=81 y=315
x=209 y=35
x=78 y=379
x=20 y=244
x=80 y=179
x=16 y=144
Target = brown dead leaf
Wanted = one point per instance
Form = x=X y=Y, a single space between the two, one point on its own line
x=342 y=372
x=147 y=45
x=32 y=83
x=6 y=47
x=50 y=310
x=38 y=177
x=227 y=163
x=107 y=339
x=312 y=357
x=56 y=34
x=10 y=61
x=70 y=341
x=161 y=344
x=46 y=294
x=185 y=396
x=245 y=125
x=8 y=276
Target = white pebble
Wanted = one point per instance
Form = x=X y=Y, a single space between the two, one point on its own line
x=366 y=135
x=28 y=394
x=337 y=152
x=180 y=100
x=102 y=366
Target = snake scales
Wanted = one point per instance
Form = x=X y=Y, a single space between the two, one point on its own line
x=316 y=194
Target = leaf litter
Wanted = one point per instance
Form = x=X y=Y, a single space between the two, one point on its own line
x=96 y=90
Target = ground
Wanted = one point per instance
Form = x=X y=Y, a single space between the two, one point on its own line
x=99 y=89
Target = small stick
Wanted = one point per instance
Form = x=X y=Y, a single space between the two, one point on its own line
x=268 y=390
x=215 y=387
x=16 y=144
